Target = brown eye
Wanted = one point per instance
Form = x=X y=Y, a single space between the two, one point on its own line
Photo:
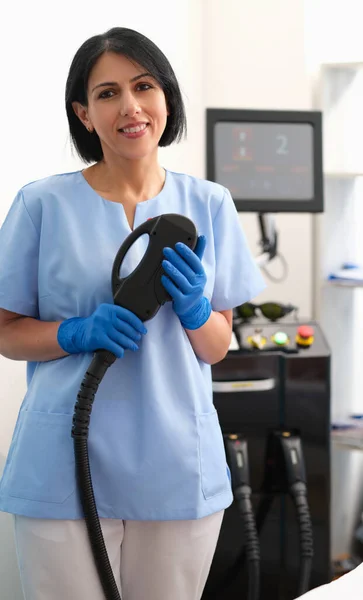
x=106 y=92
x=144 y=87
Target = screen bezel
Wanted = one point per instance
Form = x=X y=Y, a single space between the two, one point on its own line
x=262 y=205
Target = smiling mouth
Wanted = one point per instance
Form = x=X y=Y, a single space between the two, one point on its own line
x=134 y=129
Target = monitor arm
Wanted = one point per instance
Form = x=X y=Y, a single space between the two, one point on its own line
x=268 y=240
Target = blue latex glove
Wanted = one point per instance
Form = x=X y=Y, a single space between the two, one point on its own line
x=110 y=327
x=185 y=281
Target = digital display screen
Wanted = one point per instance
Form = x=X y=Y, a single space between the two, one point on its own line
x=265 y=160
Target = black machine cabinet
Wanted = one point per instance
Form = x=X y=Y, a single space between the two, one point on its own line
x=276 y=382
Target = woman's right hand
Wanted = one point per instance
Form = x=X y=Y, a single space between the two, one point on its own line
x=110 y=327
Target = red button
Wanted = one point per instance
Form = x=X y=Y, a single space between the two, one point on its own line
x=305 y=331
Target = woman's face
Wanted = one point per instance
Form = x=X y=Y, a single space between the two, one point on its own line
x=126 y=107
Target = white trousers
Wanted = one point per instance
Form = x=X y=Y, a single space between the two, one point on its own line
x=153 y=560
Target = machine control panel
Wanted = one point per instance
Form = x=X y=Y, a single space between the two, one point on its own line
x=288 y=337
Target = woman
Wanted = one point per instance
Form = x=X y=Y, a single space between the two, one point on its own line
x=156 y=450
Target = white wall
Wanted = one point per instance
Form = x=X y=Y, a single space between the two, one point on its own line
x=226 y=53
x=256 y=59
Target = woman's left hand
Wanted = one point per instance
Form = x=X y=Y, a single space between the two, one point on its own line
x=185 y=281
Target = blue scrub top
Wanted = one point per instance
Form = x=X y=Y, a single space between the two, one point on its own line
x=155 y=444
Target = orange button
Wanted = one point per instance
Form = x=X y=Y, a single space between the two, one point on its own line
x=305 y=331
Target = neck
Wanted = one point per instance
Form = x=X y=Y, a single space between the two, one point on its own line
x=138 y=180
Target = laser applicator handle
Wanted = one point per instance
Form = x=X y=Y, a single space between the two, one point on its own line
x=142 y=292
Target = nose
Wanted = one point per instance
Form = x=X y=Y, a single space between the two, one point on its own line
x=129 y=104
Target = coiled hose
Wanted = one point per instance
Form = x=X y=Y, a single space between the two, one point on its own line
x=242 y=496
x=299 y=494
x=81 y=420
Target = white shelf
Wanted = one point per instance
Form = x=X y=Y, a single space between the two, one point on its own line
x=343 y=174
x=338 y=239
x=344 y=284
x=338 y=233
x=350 y=438
x=343 y=65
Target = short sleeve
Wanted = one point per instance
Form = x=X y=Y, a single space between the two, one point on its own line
x=19 y=252
x=237 y=277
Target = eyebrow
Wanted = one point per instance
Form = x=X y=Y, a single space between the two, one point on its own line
x=114 y=83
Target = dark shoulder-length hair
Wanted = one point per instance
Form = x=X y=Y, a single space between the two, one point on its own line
x=139 y=49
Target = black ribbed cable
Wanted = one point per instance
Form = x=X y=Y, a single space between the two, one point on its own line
x=81 y=419
x=299 y=495
x=252 y=545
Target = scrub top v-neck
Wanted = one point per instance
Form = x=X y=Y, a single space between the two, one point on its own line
x=102 y=199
